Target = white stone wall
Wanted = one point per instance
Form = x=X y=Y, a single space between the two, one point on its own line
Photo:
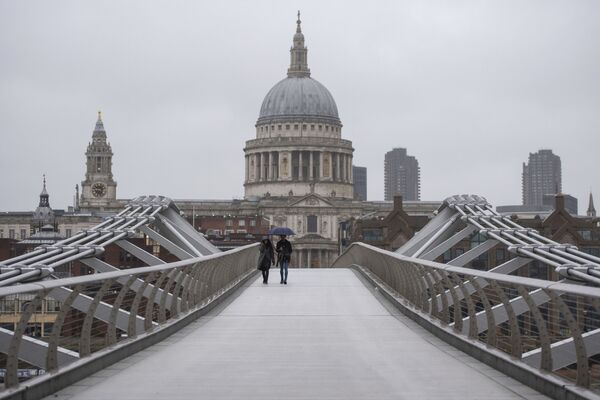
x=325 y=189
x=73 y=228
x=297 y=129
x=16 y=228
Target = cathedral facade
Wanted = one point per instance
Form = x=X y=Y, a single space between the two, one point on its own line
x=298 y=147
x=298 y=166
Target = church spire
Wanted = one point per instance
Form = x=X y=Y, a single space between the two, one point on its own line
x=298 y=54
x=99 y=124
x=591 y=211
x=44 y=196
x=99 y=132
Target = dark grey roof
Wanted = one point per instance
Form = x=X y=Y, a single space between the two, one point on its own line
x=299 y=98
x=46 y=235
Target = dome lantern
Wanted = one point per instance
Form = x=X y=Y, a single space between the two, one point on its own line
x=298 y=54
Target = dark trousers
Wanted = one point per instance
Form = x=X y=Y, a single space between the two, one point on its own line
x=283 y=269
x=265 y=274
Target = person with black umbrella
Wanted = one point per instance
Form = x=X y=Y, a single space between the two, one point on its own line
x=284 y=253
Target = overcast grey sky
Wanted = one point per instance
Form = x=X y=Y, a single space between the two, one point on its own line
x=469 y=87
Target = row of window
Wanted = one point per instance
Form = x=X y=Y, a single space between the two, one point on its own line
x=10 y=306
x=240 y=222
x=219 y=232
x=297 y=127
x=12 y=234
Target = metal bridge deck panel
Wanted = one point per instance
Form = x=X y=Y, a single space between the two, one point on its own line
x=323 y=336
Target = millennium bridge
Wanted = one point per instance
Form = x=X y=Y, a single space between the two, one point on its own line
x=376 y=325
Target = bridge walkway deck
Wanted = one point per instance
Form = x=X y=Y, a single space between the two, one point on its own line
x=325 y=335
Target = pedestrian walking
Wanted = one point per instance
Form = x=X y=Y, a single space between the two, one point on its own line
x=284 y=253
x=266 y=258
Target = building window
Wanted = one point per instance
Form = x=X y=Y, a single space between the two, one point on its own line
x=279 y=127
x=11 y=233
x=68 y=233
x=585 y=234
x=287 y=127
x=326 y=128
x=372 y=235
x=241 y=222
x=1 y=233
x=477 y=239
x=262 y=129
x=311 y=224
x=312 y=127
x=252 y=222
x=320 y=127
x=229 y=222
x=595 y=251
x=447 y=256
x=272 y=128
x=295 y=127
x=500 y=256
x=303 y=127
x=23 y=234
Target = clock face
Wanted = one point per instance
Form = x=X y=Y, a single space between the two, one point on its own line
x=98 y=189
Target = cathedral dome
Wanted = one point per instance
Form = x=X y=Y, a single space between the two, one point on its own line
x=299 y=97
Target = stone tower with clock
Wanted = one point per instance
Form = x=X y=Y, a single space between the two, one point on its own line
x=99 y=189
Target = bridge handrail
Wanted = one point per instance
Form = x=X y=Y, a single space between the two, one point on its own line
x=93 y=313
x=551 y=326
x=94 y=278
x=509 y=279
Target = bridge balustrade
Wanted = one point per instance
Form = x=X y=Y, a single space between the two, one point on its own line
x=55 y=325
x=551 y=326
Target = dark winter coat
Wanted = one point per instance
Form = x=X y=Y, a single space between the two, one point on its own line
x=284 y=250
x=266 y=256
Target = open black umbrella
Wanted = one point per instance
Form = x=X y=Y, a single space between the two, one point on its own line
x=281 y=230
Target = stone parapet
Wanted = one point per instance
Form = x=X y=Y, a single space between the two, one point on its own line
x=299 y=141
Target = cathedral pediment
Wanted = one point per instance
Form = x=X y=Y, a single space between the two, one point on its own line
x=311 y=200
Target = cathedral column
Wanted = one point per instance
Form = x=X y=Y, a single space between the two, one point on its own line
x=270 y=166
x=262 y=166
x=310 y=165
x=331 y=165
x=320 y=171
x=338 y=172
x=256 y=170
x=247 y=163
x=320 y=258
x=309 y=258
x=345 y=167
x=350 y=168
x=300 y=174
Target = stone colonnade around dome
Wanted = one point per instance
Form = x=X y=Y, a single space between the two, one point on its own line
x=271 y=168
x=298 y=165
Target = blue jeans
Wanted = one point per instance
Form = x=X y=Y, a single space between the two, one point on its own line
x=283 y=270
